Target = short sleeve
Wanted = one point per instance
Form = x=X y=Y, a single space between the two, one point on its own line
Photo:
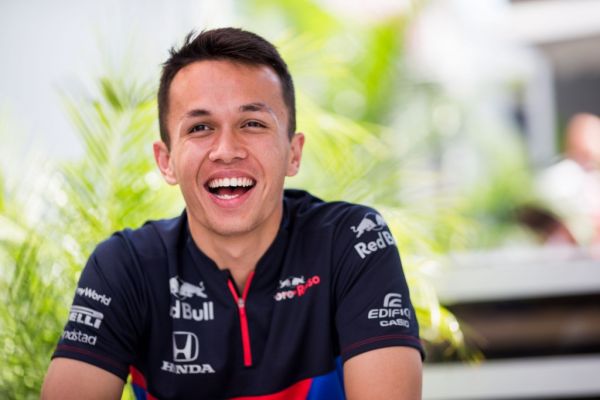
x=105 y=320
x=373 y=307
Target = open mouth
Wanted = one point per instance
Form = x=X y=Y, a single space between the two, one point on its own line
x=230 y=188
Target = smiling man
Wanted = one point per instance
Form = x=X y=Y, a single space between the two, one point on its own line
x=253 y=292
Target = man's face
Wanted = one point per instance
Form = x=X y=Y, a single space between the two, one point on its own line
x=230 y=151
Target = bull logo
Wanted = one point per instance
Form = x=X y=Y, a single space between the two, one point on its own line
x=292 y=281
x=184 y=290
x=285 y=283
x=370 y=222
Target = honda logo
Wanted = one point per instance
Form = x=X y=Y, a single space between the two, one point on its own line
x=185 y=346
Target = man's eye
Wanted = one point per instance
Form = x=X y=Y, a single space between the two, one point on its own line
x=254 y=124
x=199 y=128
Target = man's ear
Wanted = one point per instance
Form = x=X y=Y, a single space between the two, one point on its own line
x=163 y=160
x=296 y=146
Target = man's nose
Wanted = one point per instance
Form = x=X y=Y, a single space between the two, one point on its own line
x=227 y=147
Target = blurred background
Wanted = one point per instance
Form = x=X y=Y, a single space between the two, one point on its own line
x=470 y=124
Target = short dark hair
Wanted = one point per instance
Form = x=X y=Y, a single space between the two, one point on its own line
x=230 y=44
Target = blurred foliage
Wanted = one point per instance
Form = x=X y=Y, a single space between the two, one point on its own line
x=116 y=184
x=446 y=175
x=53 y=216
x=374 y=135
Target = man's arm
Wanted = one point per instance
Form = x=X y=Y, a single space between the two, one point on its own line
x=389 y=373
x=69 y=379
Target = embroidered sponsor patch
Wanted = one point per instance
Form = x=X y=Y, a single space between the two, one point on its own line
x=392 y=313
x=372 y=222
x=86 y=316
x=295 y=287
x=185 y=351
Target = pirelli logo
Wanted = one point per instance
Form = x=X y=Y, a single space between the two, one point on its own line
x=86 y=316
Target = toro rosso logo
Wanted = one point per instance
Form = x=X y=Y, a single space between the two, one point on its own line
x=370 y=222
x=295 y=286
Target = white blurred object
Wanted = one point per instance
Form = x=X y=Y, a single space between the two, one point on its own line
x=62 y=45
x=368 y=11
x=549 y=21
x=517 y=273
x=563 y=377
x=471 y=48
x=464 y=45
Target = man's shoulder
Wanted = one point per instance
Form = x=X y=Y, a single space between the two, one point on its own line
x=153 y=239
x=308 y=211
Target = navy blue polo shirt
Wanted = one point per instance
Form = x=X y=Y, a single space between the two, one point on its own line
x=329 y=287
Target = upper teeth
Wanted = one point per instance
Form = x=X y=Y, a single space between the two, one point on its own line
x=228 y=182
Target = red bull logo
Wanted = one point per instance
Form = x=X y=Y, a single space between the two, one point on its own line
x=185 y=290
x=370 y=222
x=383 y=240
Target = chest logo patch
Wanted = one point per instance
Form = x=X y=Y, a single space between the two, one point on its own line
x=186 y=293
x=185 y=351
x=295 y=286
x=184 y=290
x=185 y=346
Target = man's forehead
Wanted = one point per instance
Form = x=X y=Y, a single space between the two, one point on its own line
x=224 y=77
x=224 y=69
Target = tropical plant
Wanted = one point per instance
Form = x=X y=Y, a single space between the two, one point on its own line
x=79 y=204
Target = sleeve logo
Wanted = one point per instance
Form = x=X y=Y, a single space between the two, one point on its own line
x=81 y=337
x=392 y=313
x=92 y=294
x=86 y=316
x=393 y=300
x=372 y=222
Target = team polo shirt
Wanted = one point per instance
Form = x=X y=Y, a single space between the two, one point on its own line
x=329 y=287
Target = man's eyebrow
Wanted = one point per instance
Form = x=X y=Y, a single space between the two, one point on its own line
x=196 y=112
x=256 y=107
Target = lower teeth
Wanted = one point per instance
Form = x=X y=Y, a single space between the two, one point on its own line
x=227 y=196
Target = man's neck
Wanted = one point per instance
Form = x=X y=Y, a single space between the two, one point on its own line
x=238 y=253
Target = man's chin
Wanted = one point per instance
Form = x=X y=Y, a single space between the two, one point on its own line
x=231 y=229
